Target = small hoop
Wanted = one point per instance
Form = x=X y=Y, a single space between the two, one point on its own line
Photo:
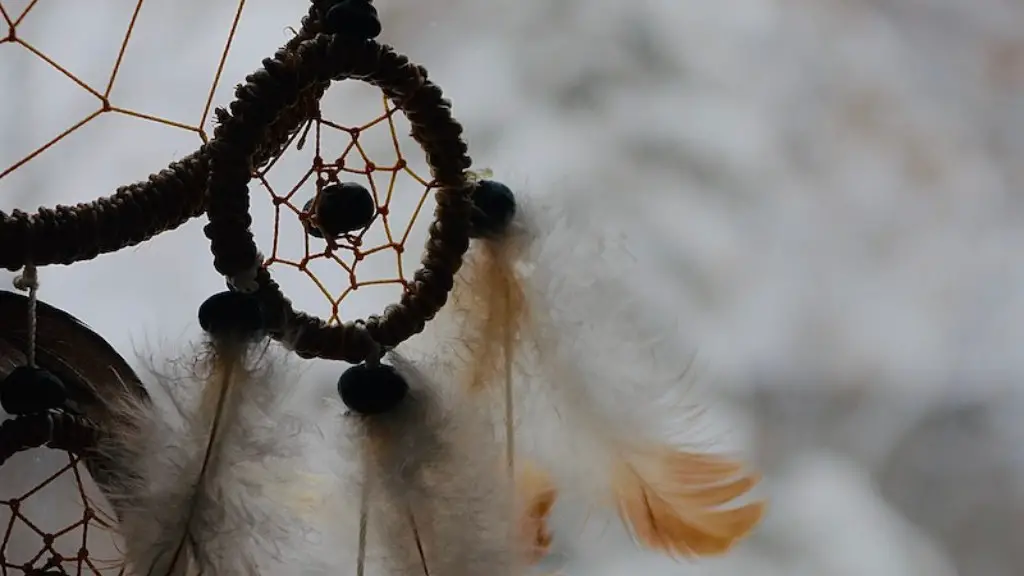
x=257 y=106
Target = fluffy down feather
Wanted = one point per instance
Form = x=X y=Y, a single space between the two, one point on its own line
x=194 y=497
x=553 y=300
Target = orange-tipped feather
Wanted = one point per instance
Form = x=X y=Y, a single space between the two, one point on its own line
x=536 y=493
x=669 y=501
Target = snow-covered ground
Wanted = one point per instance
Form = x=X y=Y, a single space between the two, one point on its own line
x=824 y=196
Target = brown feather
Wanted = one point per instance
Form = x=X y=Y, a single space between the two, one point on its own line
x=489 y=295
x=93 y=372
x=66 y=346
x=669 y=500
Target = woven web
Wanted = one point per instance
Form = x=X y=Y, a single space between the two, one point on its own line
x=59 y=522
x=105 y=103
x=338 y=147
x=52 y=516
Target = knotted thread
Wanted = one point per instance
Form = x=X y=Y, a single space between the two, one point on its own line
x=137 y=212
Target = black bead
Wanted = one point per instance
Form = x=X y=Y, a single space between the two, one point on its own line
x=342 y=208
x=28 y=390
x=372 y=390
x=356 y=18
x=494 y=206
x=231 y=313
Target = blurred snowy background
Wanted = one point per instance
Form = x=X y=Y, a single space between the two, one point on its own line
x=825 y=194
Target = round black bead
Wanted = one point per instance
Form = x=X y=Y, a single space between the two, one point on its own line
x=494 y=206
x=342 y=208
x=372 y=390
x=356 y=18
x=231 y=313
x=28 y=390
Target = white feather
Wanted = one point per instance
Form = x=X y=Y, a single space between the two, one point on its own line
x=433 y=471
x=601 y=374
x=239 y=526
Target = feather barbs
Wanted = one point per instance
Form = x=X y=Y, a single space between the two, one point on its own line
x=670 y=501
x=495 y=304
x=536 y=494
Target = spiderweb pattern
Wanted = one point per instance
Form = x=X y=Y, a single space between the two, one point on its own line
x=39 y=532
x=12 y=39
x=336 y=268
x=350 y=152
x=61 y=549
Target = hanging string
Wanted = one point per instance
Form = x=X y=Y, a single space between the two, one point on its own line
x=29 y=280
x=364 y=506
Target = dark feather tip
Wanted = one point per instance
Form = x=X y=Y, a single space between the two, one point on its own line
x=494 y=206
x=28 y=390
x=231 y=314
x=371 y=390
x=355 y=18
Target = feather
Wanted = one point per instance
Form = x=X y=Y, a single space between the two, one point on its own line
x=536 y=493
x=69 y=349
x=668 y=498
x=436 y=506
x=87 y=364
x=490 y=306
x=543 y=284
x=208 y=463
x=491 y=302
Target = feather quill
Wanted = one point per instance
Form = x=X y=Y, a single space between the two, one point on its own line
x=204 y=465
x=670 y=499
x=491 y=307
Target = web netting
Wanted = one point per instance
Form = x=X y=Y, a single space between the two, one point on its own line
x=52 y=517
x=52 y=514
x=356 y=136
x=353 y=148
x=315 y=179
x=55 y=519
x=29 y=43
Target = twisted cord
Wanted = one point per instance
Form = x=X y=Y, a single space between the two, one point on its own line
x=29 y=280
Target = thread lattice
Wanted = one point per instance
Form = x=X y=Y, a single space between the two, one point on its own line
x=53 y=441
x=356 y=162
x=337 y=268
x=103 y=94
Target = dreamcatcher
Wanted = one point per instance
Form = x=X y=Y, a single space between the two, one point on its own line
x=418 y=469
